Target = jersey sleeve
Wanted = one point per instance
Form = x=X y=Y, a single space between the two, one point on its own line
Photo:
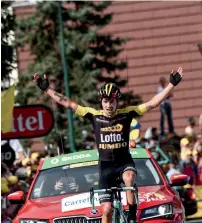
x=136 y=110
x=85 y=112
x=141 y=109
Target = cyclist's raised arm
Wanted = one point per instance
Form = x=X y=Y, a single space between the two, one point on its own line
x=160 y=97
x=43 y=84
x=62 y=99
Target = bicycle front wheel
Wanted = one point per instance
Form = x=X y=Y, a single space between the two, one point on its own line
x=117 y=217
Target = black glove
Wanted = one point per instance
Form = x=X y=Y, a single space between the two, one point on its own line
x=175 y=78
x=43 y=84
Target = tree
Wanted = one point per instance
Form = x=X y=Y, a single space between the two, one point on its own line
x=90 y=54
x=7 y=47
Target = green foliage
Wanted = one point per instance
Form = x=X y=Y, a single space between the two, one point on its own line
x=7 y=48
x=90 y=53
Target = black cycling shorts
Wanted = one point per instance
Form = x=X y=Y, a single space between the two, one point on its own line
x=109 y=173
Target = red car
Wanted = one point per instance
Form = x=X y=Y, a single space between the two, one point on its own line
x=60 y=191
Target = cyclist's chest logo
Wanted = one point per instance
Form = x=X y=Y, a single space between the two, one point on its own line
x=111 y=133
x=111 y=137
x=114 y=128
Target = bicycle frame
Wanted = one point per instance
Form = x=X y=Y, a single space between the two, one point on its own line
x=117 y=205
x=118 y=215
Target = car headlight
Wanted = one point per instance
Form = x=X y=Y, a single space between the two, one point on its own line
x=33 y=221
x=164 y=210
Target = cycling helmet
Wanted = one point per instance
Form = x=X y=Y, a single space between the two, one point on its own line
x=110 y=90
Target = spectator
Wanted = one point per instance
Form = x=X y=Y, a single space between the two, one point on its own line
x=185 y=147
x=189 y=130
x=152 y=137
x=134 y=132
x=197 y=149
x=196 y=156
x=9 y=211
x=5 y=172
x=4 y=202
x=21 y=173
x=66 y=184
x=199 y=178
x=198 y=146
x=165 y=108
x=188 y=167
x=71 y=184
x=35 y=158
x=15 y=150
x=88 y=140
x=26 y=162
x=173 y=170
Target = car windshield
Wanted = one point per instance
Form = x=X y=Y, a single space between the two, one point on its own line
x=80 y=177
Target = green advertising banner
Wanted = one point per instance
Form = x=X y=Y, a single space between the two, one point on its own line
x=84 y=156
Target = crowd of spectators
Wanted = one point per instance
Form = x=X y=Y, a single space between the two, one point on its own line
x=17 y=177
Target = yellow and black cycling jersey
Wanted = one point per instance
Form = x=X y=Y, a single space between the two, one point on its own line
x=112 y=133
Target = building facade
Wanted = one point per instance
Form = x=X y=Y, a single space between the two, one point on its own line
x=164 y=35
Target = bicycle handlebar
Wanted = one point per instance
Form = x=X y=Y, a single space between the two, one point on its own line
x=112 y=189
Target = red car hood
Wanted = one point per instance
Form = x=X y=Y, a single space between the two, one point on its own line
x=78 y=204
x=154 y=195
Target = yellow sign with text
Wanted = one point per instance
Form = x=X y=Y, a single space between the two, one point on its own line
x=84 y=164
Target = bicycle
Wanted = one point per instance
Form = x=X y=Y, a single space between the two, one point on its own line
x=118 y=213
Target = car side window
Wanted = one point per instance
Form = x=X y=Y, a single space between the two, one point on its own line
x=146 y=173
x=38 y=188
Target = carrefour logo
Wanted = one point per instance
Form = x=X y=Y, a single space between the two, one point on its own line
x=56 y=160
x=114 y=128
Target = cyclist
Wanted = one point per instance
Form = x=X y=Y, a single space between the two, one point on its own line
x=112 y=126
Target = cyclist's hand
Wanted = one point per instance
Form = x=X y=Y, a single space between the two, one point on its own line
x=42 y=83
x=177 y=77
x=59 y=185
